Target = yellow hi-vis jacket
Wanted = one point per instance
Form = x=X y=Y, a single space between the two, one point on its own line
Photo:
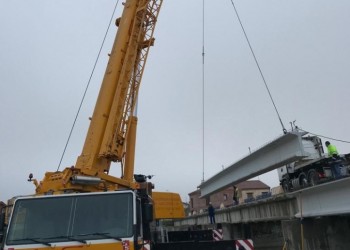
x=332 y=150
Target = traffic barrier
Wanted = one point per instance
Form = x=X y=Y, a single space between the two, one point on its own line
x=217 y=234
x=244 y=245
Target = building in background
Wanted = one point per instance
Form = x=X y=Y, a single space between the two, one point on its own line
x=247 y=191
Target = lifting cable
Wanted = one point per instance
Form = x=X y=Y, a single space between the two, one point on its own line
x=257 y=64
x=203 y=81
x=324 y=136
x=87 y=86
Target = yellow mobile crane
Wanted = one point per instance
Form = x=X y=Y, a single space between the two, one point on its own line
x=83 y=207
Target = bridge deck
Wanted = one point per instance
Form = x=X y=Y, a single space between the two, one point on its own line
x=328 y=199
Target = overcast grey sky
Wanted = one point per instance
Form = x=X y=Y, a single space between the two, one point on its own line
x=48 y=48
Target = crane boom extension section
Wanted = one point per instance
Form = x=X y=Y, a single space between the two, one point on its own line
x=112 y=133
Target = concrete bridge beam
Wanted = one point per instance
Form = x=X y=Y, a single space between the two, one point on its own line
x=285 y=149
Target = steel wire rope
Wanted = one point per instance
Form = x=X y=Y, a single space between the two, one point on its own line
x=257 y=64
x=203 y=90
x=87 y=85
x=334 y=139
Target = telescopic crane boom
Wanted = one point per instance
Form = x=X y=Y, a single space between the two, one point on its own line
x=112 y=133
x=80 y=215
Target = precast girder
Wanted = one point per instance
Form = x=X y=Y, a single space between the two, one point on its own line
x=331 y=198
x=283 y=150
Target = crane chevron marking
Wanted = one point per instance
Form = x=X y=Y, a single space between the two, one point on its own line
x=244 y=244
x=126 y=245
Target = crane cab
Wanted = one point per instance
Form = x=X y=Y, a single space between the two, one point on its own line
x=104 y=220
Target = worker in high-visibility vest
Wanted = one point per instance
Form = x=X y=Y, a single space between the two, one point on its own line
x=333 y=152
